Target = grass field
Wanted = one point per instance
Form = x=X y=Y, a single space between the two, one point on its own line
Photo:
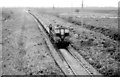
x=24 y=50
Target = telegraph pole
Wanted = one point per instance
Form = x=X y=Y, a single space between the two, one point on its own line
x=82 y=12
x=82 y=4
x=53 y=7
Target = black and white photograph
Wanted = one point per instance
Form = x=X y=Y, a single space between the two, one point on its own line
x=60 y=38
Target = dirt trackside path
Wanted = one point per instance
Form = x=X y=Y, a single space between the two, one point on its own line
x=0 y=41
x=24 y=49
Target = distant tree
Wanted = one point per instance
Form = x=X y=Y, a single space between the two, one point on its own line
x=77 y=10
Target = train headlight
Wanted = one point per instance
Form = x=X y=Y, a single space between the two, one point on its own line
x=66 y=38
x=66 y=31
x=57 y=39
x=57 y=31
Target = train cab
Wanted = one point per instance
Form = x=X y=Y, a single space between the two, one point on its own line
x=59 y=34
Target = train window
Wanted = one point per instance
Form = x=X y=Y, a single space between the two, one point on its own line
x=50 y=27
x=57 y=31
x=62 y=31
x=66 y=31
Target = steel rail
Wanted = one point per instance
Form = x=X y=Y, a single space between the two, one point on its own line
x=51 y=40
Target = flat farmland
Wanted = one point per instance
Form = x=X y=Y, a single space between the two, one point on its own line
x=24 y=49
x=105 y=23
x=93 y=34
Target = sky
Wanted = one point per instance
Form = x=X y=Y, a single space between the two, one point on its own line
x=58 y=3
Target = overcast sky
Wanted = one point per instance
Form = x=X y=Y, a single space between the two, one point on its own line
x=58 y=3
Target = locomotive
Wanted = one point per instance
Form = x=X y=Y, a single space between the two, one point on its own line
x=60 y=35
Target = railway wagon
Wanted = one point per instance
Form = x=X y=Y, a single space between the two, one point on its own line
x=60 y=35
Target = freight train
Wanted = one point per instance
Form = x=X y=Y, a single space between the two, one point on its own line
x=60 y=35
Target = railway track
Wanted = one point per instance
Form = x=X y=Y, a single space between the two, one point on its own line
x=68 y=58
x=82 y=62
x=75 y=56
x=57 y=58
